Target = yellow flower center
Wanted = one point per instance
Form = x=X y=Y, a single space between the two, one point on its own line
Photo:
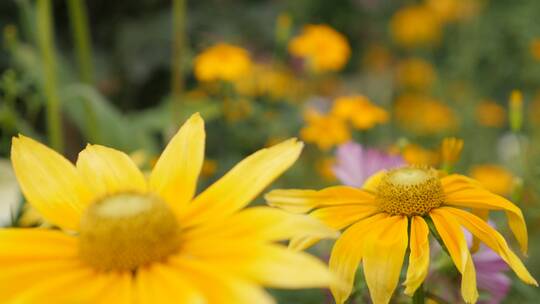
x=125 y=231
x=409 y=191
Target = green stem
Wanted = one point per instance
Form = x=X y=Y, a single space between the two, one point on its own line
x=46 y=45
x=177 y=80
x=419 y=296
x=83 y=47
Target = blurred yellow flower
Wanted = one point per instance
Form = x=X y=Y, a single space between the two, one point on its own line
x=451 y=150
x=535 y=48
x=324 y=168
x=494 y=178
x=124 y=238
x=490 y=114
x=222 y=62
x=454 y=10
x=272 y=81
x=424 y=115
x=360 y=111
x=415 y=25
x=323 y=48
x=416 y=155
x=325 y=131
x=415 y=73
x=515 y=109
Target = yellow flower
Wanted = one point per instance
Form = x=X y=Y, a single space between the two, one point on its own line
x=451 y=150
x=324 y=48
x=494 y=178
x=490 y=114
x=359 y=111
x=516 y=110
x=127 y=239
x=222 y=62
x=415 y=73
x=416 y=155
x=424 y=115
x=271 y=81
x=535 y=48
x=376 y=218
x=416 y=26
x=325 y=131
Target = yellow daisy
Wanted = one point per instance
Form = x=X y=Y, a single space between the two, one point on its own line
x=124 y=238
x=376 y=220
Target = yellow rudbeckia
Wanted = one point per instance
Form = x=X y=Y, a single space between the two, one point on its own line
x=125 y=238
x=376 y=219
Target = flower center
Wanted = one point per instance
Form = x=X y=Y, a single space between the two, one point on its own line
x=125 y=231
x=409 y=191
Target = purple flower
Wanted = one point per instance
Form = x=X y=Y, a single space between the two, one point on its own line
x=355 y=164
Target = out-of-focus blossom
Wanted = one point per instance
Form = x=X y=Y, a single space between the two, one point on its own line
x=377 y=58
x=424 y=115
x=494 y=178
x=324 y=130
x=454 y=10
x=10 y=196
x=324 y=167
x=451 y=150
x=415 y=73
x=322 y=47
x=535 y=48
x=515 y=106
x=417 y=155
x=359 y=111
x=416 y=25
x=355 y=163
x=490 y=275
x=271 y=81
x=222 y=62
x=490 y=114
x=534 y=110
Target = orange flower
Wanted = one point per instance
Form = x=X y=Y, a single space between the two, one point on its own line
x=424 y=115
x=415 y=73
x=325 y=131
x=494 y=178
x=416 y=25
x=359 y=111
x=490 y=114
x=222 y=62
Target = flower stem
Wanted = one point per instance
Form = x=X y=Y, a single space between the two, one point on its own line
x=46 y=45
x=419 y=296
x=177 y=80
x=83 y=46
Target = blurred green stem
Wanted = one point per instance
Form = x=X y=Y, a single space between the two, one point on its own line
x=46 y=45
x=177 y=81
x=83 y=46
x=419 y=295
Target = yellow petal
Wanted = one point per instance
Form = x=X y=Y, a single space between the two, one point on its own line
x=242 y=183
x=483 y=214
x=419 y=256
x=302 y=201
x=226 y=289
x=384 y=251
x=107 y=171
x=493 y=240
x=260 y=224
x=163 y=284
x=121 y=291
x=346 y=255
x=49 y=182
x=373 y=181
x=175 y=174
x=462 y=192
x=32 y=244
x=454 y=240
x=337 y=217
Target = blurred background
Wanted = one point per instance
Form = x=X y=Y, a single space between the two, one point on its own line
x=396 y=77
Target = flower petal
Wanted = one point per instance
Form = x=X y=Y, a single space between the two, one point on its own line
x=346 y=255
x=463 y=192
x=302 y=201
x=454 y=240
x=260 y=224
x=419 y=256
x=175 y=174
x=336 y=217
x=493 y=240
x=242 y=183
x=49 y=182
x=384 y=251
x=108 y=171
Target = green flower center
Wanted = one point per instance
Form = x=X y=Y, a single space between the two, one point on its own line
x=125 y=231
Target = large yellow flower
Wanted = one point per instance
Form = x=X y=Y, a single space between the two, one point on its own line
x=125 y=238
x=376 y=220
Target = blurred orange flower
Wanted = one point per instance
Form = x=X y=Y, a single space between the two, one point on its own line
x=360 y=111
x=323 y=48
x=424 y=115
x=494 y=178
x=535 y=48
x=415 y=73
x=222 y=62
x=490 y=114
x=416 y=155
x=415 y=25
x=325 y=131
x=267 y=80
x=324 y=168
